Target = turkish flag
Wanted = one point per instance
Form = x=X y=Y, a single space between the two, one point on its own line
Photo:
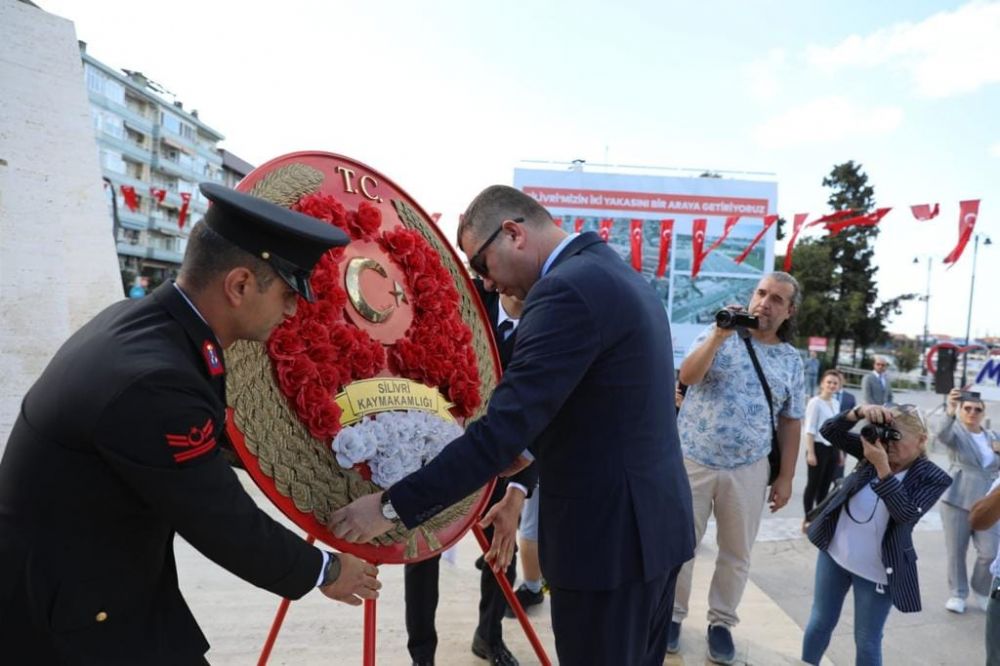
x=730 y=223
x=578 y=225
x=924 y=212
x=967 y=214
x=182 y=215
x=768 y=223
x=636 y=235
x=800 y=219
x=666 y=233
x=868 y=220
x=131 y=200
x=158 y=193
x=558 y=221
x=605 y=231
x=835 y=216
x=697 y=245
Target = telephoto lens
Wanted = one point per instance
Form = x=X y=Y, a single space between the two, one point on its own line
x=730 y=319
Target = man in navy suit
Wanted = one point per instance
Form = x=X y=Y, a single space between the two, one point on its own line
x=584 y=392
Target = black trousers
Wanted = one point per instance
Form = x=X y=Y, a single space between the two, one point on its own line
x=820 y=477
x=421 y=589
x=628 y=625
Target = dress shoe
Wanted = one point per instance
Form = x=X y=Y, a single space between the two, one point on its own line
x=526 y=597
x=497 y=654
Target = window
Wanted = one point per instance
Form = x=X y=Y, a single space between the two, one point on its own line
x=133 y=169
x=112 y=161
x=95 y=79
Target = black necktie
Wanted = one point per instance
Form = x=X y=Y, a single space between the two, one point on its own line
x=504 y=330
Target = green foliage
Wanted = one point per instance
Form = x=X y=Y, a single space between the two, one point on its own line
x=907 y=357
x=840 y=296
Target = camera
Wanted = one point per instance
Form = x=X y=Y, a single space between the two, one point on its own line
x=731 y=319
x=875 y=432
x=969 y=395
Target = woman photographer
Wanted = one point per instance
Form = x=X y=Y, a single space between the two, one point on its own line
x=974 y=466
x=865 y=531
x=822 y=459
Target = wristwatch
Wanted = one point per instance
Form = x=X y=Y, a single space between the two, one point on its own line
x=388 y=512
x=857 y=413
x=332 y=570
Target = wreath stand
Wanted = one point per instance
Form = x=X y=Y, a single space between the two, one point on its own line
x=368 y=655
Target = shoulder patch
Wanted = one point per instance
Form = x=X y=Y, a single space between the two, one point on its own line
x=212 y=359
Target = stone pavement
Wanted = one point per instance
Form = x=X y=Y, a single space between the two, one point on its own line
x=236 y=617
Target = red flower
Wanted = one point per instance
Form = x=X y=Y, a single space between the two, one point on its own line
x=366 y=222
x=293 y=374
x=285 y=342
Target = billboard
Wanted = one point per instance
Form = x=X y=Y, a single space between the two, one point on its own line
x=579 y=199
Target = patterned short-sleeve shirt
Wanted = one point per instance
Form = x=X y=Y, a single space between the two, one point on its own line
x=723 y=422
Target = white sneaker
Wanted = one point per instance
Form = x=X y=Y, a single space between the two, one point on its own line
x=955 y=605
x=982 y=600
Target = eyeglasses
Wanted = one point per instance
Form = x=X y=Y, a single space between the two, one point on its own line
x=477 y=262
x=976 y=410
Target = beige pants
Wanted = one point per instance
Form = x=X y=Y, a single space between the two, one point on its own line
x=736 y=498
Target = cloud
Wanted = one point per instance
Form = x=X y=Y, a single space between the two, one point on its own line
x=761 y=76
x=826 y=120
x=946 y=54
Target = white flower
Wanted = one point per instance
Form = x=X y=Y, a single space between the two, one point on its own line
x=394 y=444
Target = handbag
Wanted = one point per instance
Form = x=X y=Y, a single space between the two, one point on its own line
x=815 y=512
x=774 y=455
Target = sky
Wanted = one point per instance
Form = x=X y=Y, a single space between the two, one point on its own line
x=445 y=98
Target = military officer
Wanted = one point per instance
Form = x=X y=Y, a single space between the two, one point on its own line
x=117 y=448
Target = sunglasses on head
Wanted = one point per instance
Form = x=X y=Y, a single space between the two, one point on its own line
x=477 y=261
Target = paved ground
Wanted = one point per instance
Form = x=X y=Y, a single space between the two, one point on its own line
x=775 y=608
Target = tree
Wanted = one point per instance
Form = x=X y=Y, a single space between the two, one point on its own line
x=907 y=357
x=840 y=297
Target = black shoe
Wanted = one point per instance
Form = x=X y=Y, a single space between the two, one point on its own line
x=720 y=645
x=480 y=563
x=527 y=599
x=674 y=638
x=497 y=654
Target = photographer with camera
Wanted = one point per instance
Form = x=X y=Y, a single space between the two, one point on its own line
x=975 y=463
x=864 y=532
x=744 y=404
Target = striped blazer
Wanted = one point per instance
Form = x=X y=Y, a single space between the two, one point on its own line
x=972 y=480
x=907 y=501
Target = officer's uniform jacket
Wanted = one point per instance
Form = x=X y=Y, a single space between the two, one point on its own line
x=116 y=448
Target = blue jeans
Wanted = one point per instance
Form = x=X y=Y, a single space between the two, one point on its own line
x=871 y=608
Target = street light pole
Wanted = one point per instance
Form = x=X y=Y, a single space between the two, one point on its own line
x=927 y=315
x=968 y=320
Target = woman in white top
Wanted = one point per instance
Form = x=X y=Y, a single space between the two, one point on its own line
x=865 y=532
x=822 y=458
x=974 y=465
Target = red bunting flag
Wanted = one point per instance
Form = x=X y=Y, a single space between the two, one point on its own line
x=558 y=220
x=836 y=216
x=636 y=233
x=131 y=200
x=605 y=231
x=924 y=212
x=578 y=225
x=800 y=219
x=768 y=223
x=868 y=220
x=158 y=193
x=666 y=233
x=435 y=217
x=697 y=245
x=182 y=215
x=967 y=214
x=730 y=223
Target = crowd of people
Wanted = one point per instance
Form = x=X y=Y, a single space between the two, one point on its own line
x=87 y=569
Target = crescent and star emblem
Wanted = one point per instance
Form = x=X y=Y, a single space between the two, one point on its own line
x=969 y=219
x=352 y=279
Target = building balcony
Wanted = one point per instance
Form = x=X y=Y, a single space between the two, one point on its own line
x=132 y=220
x=161 y=254
x=126 y=147
x=131 y=249
x=138 y=122
x=169 y=226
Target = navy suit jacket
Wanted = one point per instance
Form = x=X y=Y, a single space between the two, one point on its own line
x=907 y=501
x=588 y=390
x=847 y=401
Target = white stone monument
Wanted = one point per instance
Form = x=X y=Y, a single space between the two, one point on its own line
x=58 y=265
